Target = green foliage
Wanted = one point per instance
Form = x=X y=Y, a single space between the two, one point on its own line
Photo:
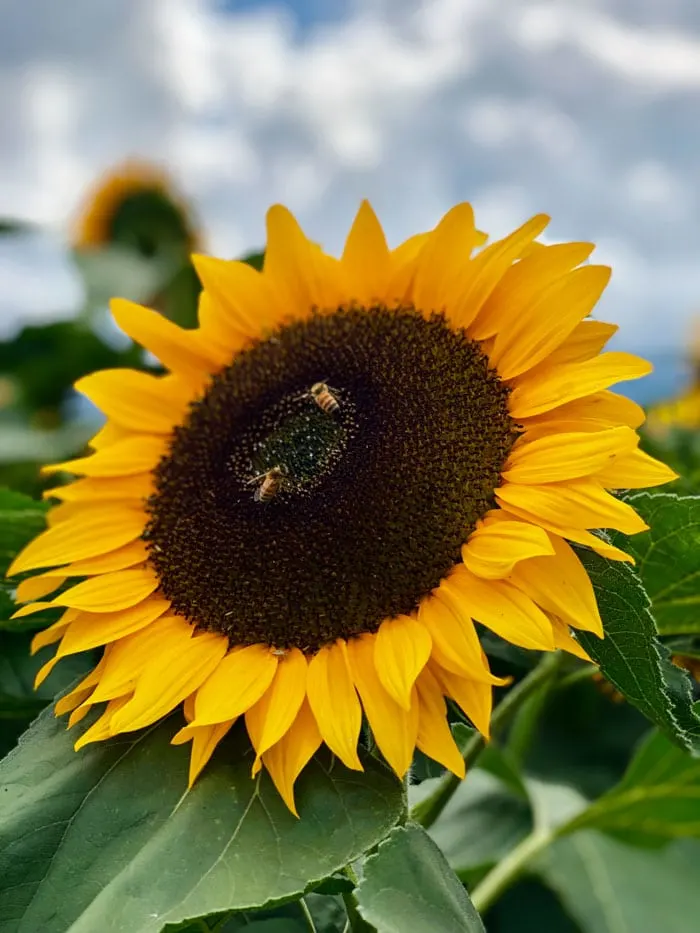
x=46 y=360
x=680 y=449
x=21 y=519
x=483 y=821
x=658 y=799
x=631 y=657
x=81 y=849
x=609 y=887
x=668 y=560
x=408 y=887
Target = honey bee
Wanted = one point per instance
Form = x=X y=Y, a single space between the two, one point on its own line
x=272 y=481
x=324 y=398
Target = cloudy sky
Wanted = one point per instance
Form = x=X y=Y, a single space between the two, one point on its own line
x=586 y=109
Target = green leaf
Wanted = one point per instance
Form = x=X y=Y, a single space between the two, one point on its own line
x=631 y=657
x=481 y=823
x=610 y=887
x=108 y=839
x=19 y=702
x=658 y=798
x=21 y=519
x=408 y=887
x=667 y=558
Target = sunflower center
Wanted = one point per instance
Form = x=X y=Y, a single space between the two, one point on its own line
x=328 y=477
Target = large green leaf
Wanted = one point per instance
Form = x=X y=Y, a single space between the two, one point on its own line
x=610 y=887
x=631 y=657
x=668 y=558
x=481 y=823
x=107 y=839
x=658 y=799
x=408 y=887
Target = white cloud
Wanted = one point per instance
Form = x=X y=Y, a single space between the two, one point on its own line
x=587 y=111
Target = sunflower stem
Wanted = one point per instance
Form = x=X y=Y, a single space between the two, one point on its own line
x=577 y=676
x=428 y=810
x=306 y=914
x=510 y=868
x=526 y=722
x=356 y=923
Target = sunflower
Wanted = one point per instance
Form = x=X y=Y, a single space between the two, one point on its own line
x=134 y=204
x=348 y=464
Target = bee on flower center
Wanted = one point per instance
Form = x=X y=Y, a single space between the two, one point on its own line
x=272 y=482
x=324 y=398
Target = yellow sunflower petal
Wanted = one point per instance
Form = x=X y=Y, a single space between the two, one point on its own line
x=79 y=693
x=560 y=585
x=110 y=592
x=136 y=400
x=603 y=407
x=177 y=349
x=168 y=679
x=578 y=504
x=238 y=682
x=524 y=280
x=394 y=728
x=270 y=718
x=585 y=341
x=566 y=641
x=403 y=268
x=473 y=698
x=132 y=455
x=204 y=742
x=456 y=645
x=120 y=559
x=91 y=629
x=402 y=648
x=137 y=487
x=635 y=470
x=504 y=609
x=109 y=434
x=242 y=296
x=334 y=702
x=366 y=258
x=287 y=758
x=443 y=259
x=560 y=384
x=579 y=535
x=44 y=671
x=544 y=324
x=302 y=274
x=36 y=587
x=493 y=549
x=126 y=659
x=483 y=273
x=53 y=633
x=102 y=728
x=557 y=457
x=222 y=340
x=435 y=737
x=89 y=535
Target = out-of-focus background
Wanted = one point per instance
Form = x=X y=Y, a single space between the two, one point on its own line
x=586 y=109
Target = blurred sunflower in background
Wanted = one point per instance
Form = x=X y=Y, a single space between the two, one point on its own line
x=136 y=205
x=348 y=464
x=683 y=411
